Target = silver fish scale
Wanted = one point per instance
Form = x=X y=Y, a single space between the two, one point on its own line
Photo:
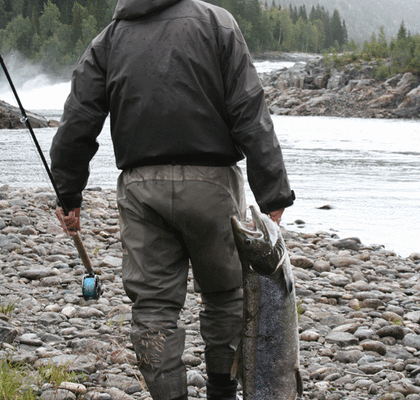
x=277 y=343
x=268 y=365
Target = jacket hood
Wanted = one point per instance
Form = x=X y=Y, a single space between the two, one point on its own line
x=131 y=9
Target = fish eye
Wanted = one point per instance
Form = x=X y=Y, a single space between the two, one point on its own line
x=248 y=242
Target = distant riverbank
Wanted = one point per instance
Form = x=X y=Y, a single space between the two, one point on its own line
x=308 y=87
x=311 y=88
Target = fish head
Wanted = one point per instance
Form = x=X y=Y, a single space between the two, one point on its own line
x=257 y=242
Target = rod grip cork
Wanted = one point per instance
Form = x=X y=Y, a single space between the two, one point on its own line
x=82 y=253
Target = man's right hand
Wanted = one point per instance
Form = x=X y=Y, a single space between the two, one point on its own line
x=276 y=215
x=71 y=222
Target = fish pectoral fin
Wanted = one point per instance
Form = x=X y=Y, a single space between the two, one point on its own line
x=288 y=280
x=236 y=370
x=290 y=284
x=299 y=383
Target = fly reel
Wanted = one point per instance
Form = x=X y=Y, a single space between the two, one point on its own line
x=91 y=287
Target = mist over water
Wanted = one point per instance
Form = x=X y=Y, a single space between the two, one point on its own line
x=36 y=90
x=368 y=171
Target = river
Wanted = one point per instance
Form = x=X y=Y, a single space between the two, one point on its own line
x=366 y=171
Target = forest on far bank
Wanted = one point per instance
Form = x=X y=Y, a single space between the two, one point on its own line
x=54 y=33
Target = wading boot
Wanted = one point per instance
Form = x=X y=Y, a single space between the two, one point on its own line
x=221 y=387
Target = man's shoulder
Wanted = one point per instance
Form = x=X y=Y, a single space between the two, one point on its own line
x=216 y=14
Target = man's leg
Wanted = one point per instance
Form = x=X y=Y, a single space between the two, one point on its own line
x=208 y=198
x=221 y=323
x=155 y=269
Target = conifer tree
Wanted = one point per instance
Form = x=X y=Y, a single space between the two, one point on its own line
x=402 y=32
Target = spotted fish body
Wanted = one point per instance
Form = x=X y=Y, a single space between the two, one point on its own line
x=268 y=359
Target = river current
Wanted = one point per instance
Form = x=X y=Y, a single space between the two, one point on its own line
x=366 y=171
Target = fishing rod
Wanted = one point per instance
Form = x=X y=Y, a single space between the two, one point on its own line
x=91 y=287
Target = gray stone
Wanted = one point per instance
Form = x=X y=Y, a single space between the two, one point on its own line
x=37 y=273
x=24 y=357
x=374 y=368
x=8 y=241
x=301 y=262
x=394 y=331
x=58 y=394
x=364 y=333
x=405 y=386
x=50 y=338
x=51 y=318
x=343 y=339
x=348 y=357
x=91 y=345
x=127 y=384
x=349 y=243
x=372 y=303
x=413 y=316
x=343 y=262
x=117 y=394
x=322 y=266
x=334 y=320
x=191 y=360
x=21 y=220
x=89 y=312
x=8 y=332
x=111 y=262
x=31 y=339
x=398 y=352
x=76 y=363
x=374 y=345
x=412 y=340
x=99 y=396
x=195 y=379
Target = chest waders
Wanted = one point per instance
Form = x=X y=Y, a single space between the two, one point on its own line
x=91 y=286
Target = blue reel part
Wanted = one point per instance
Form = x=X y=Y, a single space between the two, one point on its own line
x=91 y=287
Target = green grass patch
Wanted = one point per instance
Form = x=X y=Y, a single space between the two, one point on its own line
x=15 y=382
x=56 y=375
x=7 y=309
x=18 y=382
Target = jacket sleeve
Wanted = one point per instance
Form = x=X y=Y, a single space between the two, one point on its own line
x=252 y=126
x=85 y=111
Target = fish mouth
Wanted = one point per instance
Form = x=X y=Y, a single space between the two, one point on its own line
x=259 y=225
x=255 y=228
x=249 y=228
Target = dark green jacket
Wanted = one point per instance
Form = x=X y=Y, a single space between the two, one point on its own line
x=177 y=80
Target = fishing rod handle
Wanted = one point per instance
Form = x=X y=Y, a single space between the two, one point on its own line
x=82 y=253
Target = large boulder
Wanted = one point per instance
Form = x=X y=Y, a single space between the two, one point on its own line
x=11 y=118
x=336 y=81
x=412 y=99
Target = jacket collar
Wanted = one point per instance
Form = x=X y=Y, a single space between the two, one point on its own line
x=131 y=9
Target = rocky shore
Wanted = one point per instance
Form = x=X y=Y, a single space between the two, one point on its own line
x=10 y=118
x=359 y=312
x=312 y=88
x=309 y=88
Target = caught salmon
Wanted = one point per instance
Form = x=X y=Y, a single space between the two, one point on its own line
x=268 y=357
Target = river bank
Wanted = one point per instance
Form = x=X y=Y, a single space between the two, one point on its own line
x=312 y=88
x=309 y=87
x=11 y=118
x=359 y=308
